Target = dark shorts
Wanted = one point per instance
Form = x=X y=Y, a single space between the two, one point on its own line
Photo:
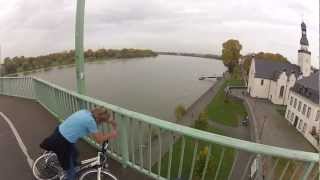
x=62 y=147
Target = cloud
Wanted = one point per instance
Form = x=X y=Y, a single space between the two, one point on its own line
x=37 y=27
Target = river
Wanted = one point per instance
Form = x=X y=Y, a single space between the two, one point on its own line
x=153 y=86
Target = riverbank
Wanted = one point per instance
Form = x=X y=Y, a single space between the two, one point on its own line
x=61 y=66
x=29 y=64
x=191 y=115
x=225 y=110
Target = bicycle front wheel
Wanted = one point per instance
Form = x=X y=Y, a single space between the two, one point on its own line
x=93 y=175
x=46 y=167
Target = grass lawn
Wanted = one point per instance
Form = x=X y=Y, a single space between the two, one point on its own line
x=226 y=112
x=187 y=160
x=280 y=168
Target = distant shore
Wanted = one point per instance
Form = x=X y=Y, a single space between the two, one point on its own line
x=208 y=56
x=25 y=65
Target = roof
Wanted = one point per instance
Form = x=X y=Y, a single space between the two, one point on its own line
x=308 y=87
x=269 y=69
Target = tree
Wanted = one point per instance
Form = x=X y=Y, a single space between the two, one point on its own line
x=202 y=122
x=179 y=112
x=201 y=162
x=231 y=53
x=262 y=55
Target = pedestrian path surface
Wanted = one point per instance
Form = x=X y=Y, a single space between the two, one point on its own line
x=33 y=123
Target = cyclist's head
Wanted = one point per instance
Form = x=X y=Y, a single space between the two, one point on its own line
x=100 y=114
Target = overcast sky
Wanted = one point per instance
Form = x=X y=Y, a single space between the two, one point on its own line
x=35 y=27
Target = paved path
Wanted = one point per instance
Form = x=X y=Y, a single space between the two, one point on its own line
x=276 y=130
x=240 y=132
x=271 y=128
x=33 y=123
x=201 y=104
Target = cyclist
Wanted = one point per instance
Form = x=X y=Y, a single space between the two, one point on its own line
x=79 y=124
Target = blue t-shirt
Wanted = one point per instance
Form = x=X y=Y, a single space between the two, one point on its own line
x=78 y=125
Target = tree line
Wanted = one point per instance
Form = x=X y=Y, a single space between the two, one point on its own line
x=21 y=64
x=231 y=54
x=210 y=56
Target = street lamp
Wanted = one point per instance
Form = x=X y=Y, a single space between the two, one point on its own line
x=79 y=56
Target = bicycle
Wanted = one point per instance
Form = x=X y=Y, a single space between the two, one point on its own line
x=47 y=167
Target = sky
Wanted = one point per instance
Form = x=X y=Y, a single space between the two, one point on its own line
x=37 y=27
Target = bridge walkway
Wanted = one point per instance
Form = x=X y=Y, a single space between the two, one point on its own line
x=33 y=123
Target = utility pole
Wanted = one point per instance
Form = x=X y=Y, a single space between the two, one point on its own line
x=79 y=56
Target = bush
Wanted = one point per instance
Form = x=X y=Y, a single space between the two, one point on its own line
x=179 y=112
x=202 y=122
x=201 y=161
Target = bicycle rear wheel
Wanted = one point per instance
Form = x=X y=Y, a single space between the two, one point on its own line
x=46 y=167
x=92 y=174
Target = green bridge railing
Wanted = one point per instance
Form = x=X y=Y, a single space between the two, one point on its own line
x=165 y=150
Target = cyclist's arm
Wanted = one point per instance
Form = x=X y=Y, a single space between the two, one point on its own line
x=100 y=137
x=103 y=136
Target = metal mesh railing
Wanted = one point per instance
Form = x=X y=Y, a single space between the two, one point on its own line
x=165 y=150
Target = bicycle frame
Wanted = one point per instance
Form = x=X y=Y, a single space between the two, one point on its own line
x=92 y=162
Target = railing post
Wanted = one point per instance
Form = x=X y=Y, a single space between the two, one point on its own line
x=1 y=85
x=123 y=137
x=307 y=170
x=35 y=90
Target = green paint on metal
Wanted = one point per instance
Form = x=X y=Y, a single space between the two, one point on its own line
x=170 y=158
x=220 y=163
x=198 y=134
x=183 y=146
x=123 y=128
x=271 y=173
x=194 y=156
x=150 y=148
x=160 y=153
x=294 y=172
x=307 y=170
x=79 y=56
x=61 y=102
x=204 y=172
x=141 y=146
x=132 y=133
x=284 y=170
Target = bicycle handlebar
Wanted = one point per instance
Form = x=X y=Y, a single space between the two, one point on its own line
x=104 y=146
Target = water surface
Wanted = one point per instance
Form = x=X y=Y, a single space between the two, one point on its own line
x=153 y=86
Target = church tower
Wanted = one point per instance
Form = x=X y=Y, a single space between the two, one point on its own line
x=304 y=55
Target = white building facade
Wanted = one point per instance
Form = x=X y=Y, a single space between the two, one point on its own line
x=271 y=84
x=272 y=80
x=303 y=109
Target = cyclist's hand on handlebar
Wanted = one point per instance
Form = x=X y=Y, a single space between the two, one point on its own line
x=113 y=134
x=113 y=123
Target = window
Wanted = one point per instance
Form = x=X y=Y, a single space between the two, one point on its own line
x=291 y=101
x=281 y=91
x=262 y=82
x=318 y=115
x=300 y=124
x=299 y=106
x=295 y=103
x=304 y=109
x=308 y=112
x=292 y=115
x=288 y=115
x=304 y=127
